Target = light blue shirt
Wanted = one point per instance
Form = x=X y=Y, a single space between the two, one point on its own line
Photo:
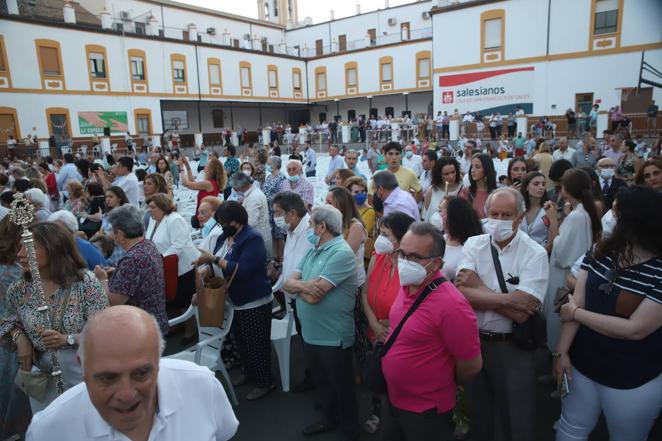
x=334 y=164
x=311 y=159
x=67 y=173
x=356 y=172
x=331 y=321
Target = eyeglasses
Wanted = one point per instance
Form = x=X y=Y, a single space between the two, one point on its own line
x=606 y=287
x=413 y=257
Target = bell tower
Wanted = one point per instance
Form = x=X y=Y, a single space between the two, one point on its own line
x=283 y=12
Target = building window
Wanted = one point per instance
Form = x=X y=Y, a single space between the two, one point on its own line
x=352 y=77
x=405 y=31
x=296 y=79
x=97 y=65
x=140 y=28
x=319 y=47
x=138 y=68
x=178 y=72
x=606 y=17
x=50 y=61
x=320 y=81
x=273 y=77
x=245 y=78
x=4 y=64
x=351 y=115
x=143 y=118
x=389 y=112
x=492 y=29
x=372 y=35
x=217 y=117
x=342 y=43
x=214 y=73
x=386 y=70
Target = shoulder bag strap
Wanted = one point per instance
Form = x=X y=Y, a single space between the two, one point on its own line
x=428 y=289
x=499 y=271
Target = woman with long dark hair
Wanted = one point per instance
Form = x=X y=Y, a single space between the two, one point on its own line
x=572 y=239
x=445 y=181
x=611 y=339
x=536 y=219
x=460 y=222
x=73 y=294
x=517 y=169
x=482 y=177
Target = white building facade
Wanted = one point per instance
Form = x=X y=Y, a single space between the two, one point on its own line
x=147 y=66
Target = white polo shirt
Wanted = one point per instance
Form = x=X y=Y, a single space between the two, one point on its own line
x=522 y=258
x=296 y=248
x=129 y=183
x=192 y=406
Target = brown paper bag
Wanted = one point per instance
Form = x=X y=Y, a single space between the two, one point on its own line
x=211 y=299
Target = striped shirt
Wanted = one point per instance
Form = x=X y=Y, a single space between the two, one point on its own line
x=612 y=362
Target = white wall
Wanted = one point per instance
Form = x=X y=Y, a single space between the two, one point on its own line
x=404 y=68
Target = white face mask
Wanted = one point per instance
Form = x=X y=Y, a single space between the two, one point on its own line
x=280 y=222
x=383 y=245
x=606 y=173
x=500 y=230
x=411 y=273
x=608 y=223
x=437 y=221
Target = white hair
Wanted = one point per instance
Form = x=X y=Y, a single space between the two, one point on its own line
x=297 y=162
x=66 y=218
x=331 y=216
x=37 y=197
x=519 y=199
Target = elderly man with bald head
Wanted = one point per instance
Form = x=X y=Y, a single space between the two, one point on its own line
x=505 y=385
x=130 y=393
x=298 y=183
x=609 y=184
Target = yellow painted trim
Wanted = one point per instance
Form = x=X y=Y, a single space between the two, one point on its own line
x=246 y=64
x=365 y=94
x=95 y=48
x=150 y=94
x=212 y=61
x=137 y=53
x=553 y=57
x=39 y=43
x=320 y=70
x=7 y=72
x=349 y=66
x=273 y=68
x=421 y=56
x=296 y=71
x=182 y=59
x=143 y=112
x=382 y=61
x=12 y=112
x=493 y=15
x=371 y=48
x=58 y=111
x=619 y=26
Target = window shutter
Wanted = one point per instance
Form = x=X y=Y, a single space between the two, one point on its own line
x=493 y=33
x=387 y=72
x=50 y=62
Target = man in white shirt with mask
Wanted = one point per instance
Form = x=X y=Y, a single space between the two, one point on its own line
x=290 y=214
x=507 y=381
x=129 y=392
x=412 y=161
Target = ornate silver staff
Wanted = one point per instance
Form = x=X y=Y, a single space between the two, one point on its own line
x=22 y=214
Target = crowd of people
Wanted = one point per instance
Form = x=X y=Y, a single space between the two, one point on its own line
x=456 y=276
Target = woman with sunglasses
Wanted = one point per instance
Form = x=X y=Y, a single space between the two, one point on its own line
x=610 y=349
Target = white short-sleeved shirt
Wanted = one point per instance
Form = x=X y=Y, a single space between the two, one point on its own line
x=192 y=406
x=296 y=248
x=522 y=258
x=129 y=184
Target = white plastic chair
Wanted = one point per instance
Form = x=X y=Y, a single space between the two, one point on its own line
x=281 y=336
x=96 y=151
x=208 y=350
x=82 y=150
x=65 y=149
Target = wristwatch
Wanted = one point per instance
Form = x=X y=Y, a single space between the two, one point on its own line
x=556 y=354
x=71 y=340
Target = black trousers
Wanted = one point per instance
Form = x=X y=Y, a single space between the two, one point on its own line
x=504 y=389
x=332 y=373
x=252 y=330
x=403 y=425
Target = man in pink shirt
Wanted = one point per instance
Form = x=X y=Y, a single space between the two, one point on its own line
x=437 y=346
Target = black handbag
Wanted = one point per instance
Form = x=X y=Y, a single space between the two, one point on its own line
x=532 y=333
x=372 y=376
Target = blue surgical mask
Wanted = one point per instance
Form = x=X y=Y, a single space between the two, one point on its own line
x=360 y=198
x=313 y=238
x=207 y=227
x=409 y=154
x=294 y=178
